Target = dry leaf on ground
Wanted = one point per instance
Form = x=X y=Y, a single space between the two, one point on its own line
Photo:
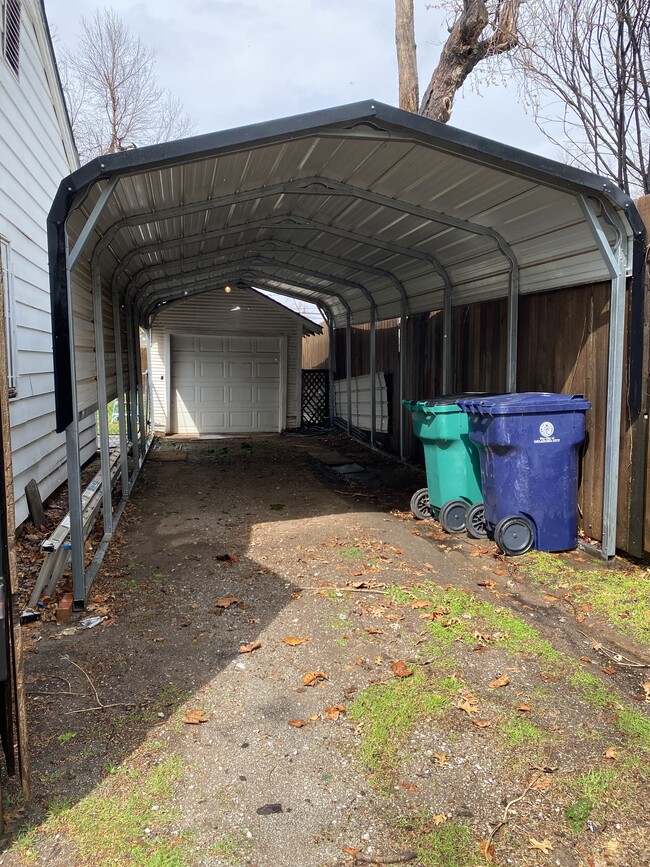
x=409 y=787
x=467 y=702
x=504 y=680
x=194 y=717
x=294 y=640
x=372 y=631
x=297 y=723
x=350 y=850
x=481 y=723
x=487 y=850
x=611 y=753
x=226 y=602
x=314 y=677
x=249 y=648
x=334 y=712
x=441 y=759
x=524 y=708
x=400 y=670
x=438 y=819
x=544 y=845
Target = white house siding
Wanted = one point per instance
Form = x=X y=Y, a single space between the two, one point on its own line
x=36 y=152
x=212 y=314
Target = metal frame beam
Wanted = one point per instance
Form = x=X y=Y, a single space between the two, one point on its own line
x=91 y=223
x=616 y=260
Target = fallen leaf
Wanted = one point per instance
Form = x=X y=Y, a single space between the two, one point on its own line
x=439 y=819
x=226 y=602
x=468 y=703
x=549 y=678
x=297 y=723
x=500 y=571
x=350 y=850
x=550 y=598
x=359 y=661
x=249 y=648
x=420 y=603
x=481 y=723
x=441 y=759
x=334 y=712
x=609 y=670
x=296 y=595
x=612 y=848
x=372 y=631
x=584 y=659
x=314 y=677
x=400 y=670
x=544 y=845
x=542 y=783
x=409 y=787
x=524 y=708
x=487 y=850
x=487 y=583
x=294 y=641
x=194 y=717
x=504 y=680
x=611 y=753
x=646 y=689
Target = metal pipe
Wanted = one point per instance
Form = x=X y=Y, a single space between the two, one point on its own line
x=73 y=461
x=133 y=393
x=102 y=400
x=119 y=375
x=512 y=328
x=403 y=369
x=373 y=377
x=446 y=341
x=348 y=367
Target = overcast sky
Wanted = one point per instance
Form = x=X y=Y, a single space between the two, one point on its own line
x=234 y=62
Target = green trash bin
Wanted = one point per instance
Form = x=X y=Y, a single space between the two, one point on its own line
x=453 y=494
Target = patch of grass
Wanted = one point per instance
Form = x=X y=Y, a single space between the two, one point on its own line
x=66 y=737
x=623 y=596
x=519 y=730
x=595 y=783
x=276 y=507
x=351 y=553
x=447 y=845
x=108 y=826
x=230 y=847
x=24 y=844
x=170 y=696
x=577 y=814
x=634 y=724
x=58 y=806
x=466 y=618
x=388 y=713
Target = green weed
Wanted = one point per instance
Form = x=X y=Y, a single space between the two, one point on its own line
x=351 y=553
x=447 y=845
x=66 y=737
x=518 y=731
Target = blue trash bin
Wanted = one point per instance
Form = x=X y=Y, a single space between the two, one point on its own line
x=529 y=448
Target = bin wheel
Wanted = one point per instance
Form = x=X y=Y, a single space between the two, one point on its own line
x=453 y=516
x=476 y=528
x=515 y=535
x=420 y=505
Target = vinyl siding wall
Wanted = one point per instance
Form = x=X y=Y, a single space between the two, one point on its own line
x=35 y=154
x=212 y=314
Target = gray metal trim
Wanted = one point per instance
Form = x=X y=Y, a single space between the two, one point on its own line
x=616 y=260
x=373 y=378
x=348 y=367
x=91 y=223
x=102 y=401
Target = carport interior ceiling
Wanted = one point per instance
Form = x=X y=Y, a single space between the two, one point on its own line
x=365 y=210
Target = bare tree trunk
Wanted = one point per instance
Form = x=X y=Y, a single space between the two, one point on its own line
x=464 y=49
x=409 y=92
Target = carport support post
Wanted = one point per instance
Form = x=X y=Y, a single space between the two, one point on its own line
x=348 y=367
x=119 y=374
x=331 y=327
x=373 y=375
x=446 y=341
x=402 y=380
x=138 y=371
x=73 y=460
x=512 y=329
x=102 y=398
x=133 y=394
x=615 y=260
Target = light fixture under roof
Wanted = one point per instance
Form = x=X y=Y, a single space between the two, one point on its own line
x=227 y=289
x=232 y=309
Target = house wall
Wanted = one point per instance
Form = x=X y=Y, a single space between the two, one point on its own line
x=212 y=314
x=36 y=152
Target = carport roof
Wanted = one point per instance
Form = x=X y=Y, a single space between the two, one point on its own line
x=368 y=211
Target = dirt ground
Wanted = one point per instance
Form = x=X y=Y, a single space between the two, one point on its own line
x=294 y=672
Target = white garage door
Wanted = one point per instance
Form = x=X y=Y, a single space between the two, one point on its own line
x=225 y=384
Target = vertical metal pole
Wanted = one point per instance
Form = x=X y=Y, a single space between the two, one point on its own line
x=102 y=398
x=133 y=393
x=348 y=367
x=138 y=371
x=446 y=340
x=513 y=325
x=119 y=375
x=332 y=364
x=149 y=418
x=403 y=367
x=616 y=260
x=73 y=460
x=373 y=376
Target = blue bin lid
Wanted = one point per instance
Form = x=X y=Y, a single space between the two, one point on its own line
x=524 y=403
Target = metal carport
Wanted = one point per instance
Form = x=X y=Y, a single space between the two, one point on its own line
x=365 y=210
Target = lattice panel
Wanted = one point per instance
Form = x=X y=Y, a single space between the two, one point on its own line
x=315 y=397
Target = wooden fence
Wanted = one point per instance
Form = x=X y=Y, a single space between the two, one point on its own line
x=562 y=347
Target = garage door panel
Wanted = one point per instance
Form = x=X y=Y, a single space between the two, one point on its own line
x=210 y=344
x=211 y=393
x=214 y=392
